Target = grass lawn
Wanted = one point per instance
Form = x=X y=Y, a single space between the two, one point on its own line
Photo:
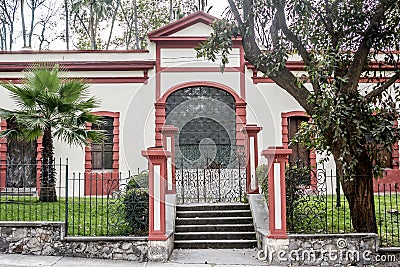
x=321 y=215
x=86 y=216
x=105 y=216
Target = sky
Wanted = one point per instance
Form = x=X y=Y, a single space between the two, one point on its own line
x=218 y=7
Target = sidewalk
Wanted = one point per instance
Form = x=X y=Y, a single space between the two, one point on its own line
x=187 y=258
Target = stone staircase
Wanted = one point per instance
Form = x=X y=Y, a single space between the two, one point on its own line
x=222 y=225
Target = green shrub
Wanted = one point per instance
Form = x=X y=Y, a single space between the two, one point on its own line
x=136 y=204
x=136 y=210
x=262 y=176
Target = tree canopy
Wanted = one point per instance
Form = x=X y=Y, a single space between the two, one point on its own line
x=350 y=51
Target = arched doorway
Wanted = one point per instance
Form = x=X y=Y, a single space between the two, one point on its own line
x=209 y=161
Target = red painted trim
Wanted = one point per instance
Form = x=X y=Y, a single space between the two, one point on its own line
x=3 y=155
x=251 y=131
x=285 y=142
x=74 y=51
x=94 y=80
x=198 y=69
x=158 y=75
x=181 y=24
x=170 y=131
x=242 y=74
x=188 y=42
x=175 y=88
x=285 y=124
x=300 y=66
x=277 y=155
x=395 y=151
x=17 y=66
x=157 y=156
x=389 y=181
x=161 y=102
x=3 y=158
x=103 y=181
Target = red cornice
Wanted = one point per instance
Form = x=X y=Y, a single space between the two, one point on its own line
x=85 y=65
x=299 y=66
x=93 y=80
x=183 y=23
x=74 y=51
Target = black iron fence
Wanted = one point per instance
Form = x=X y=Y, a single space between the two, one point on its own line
x=316 y=204
x=91 y=204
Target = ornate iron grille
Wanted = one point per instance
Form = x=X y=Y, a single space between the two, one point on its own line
x=211 y=179
x=306 y=199
x=202 y=114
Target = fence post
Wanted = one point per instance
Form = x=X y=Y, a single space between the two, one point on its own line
x=159 y=245
x=168 y=139
x=66 y=197
x=251 y=131
x=277 y=159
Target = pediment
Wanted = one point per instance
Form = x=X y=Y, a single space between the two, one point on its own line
x=194 y=25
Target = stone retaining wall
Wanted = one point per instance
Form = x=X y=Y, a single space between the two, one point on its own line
x=328 y=250
x=48 y=238
x=332 y=249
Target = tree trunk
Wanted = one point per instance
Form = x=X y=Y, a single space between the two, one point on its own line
x=136 y=25
x=359 y=193
x=66 y=23
x=48 y=174
x=23 y=22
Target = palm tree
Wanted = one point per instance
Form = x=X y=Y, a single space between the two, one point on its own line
x=50 y=106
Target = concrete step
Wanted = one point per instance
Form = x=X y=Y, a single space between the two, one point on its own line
x=217 y=206
x=215 y=228
x=214 y=220
x=215 y=236
x=217 y=244
x=213 y=213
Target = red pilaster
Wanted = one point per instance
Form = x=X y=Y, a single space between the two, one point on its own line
x=277 y=159
x=160 y=121
x=157 y=160
x=240 y=123
x=251 y=131
x=168 y=133
x=395 y=151
x=3 y=156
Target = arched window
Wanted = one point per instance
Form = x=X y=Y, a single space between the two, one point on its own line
x=205 y=117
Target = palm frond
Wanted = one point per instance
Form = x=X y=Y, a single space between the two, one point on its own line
x=78 y=136
x=5 y=114
x=90 y=103
x=73 y=90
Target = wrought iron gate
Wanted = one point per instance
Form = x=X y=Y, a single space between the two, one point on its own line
x=209 y=174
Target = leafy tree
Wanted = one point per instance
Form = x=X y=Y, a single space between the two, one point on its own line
x=87 y=15
x=50 y=106
x=137 y=19
x=341 y=43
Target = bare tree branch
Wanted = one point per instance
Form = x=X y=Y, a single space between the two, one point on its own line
x=236 y=13
x=280 y=12
x=361 y=55
x=283 y=77
x=379 y=90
